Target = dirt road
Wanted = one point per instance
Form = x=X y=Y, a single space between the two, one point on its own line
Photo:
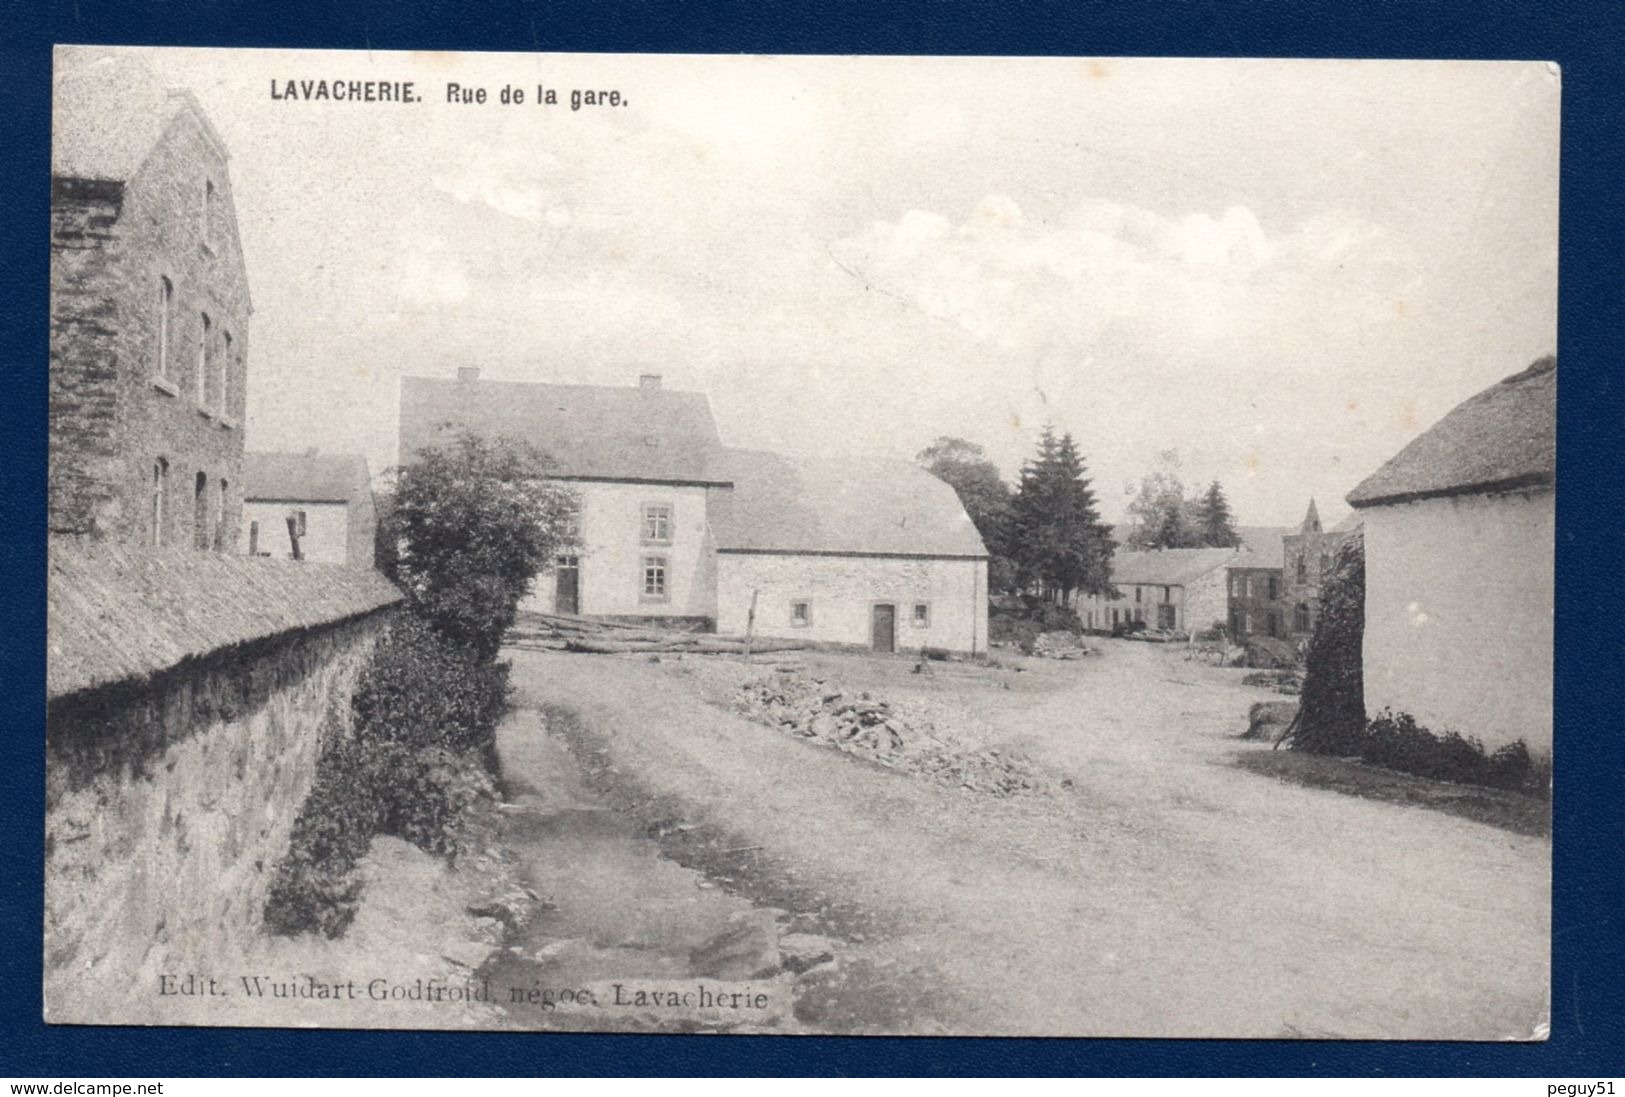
x=1166 y=892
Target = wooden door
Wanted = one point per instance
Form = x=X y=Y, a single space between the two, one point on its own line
x=567 y=586
x=883 y=630
x=1165 y=616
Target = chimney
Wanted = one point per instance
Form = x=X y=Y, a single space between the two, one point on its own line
x=649 y=382
x=468 y=373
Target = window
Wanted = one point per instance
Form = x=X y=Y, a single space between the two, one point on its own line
x=1167 y=596
x=654 y=578
x=1300 y=618
x=657 y=523
x=1275 y=587
x=922 y=615
x=221 y=507
x=208 y=213
x=200 y=512
x=1241 y=586
x=222 y=392
x=801 y=613
x=1303 y=567
x=205 y=339
x=1274 y=625
x=166 y=324
x=1137 y=592
x=160 y=499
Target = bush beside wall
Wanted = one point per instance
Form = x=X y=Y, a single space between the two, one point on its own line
x=415 y=767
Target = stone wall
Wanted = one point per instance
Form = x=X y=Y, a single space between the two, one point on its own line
x=169 y=803
x=114 y=409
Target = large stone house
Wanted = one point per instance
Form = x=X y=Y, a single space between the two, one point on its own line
x=674 y=527
x=310 y=506
x=149 y=314
x=1459 y=539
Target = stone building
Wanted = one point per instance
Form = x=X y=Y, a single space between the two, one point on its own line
x=674 y=527
x=310 y=506
x=1307 y=559
x=1459 y=584
x=189 y=694
x=149 y=314
x=1180 y=589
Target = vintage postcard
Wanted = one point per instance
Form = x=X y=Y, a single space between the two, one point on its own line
x=827 y=545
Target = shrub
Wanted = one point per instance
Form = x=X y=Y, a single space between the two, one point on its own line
x=1128 y=628
x=425 y=712
x=473 y=523
x=1331 y=719
x=1396 y=741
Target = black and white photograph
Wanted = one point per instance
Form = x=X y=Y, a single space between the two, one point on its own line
x=801 y=545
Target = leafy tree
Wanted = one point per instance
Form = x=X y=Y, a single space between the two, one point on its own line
x=475 y=522
x=1159 y=516
x=1057 y=537
x=964 y=466
x=1212 y=519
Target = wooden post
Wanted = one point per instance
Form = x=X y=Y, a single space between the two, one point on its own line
x=750 y=621
x=293 y=537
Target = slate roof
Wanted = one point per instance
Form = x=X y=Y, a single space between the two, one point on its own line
x=1502 y=439
x=837 y=505
x=108 y=113
x=305 y=477
x=116 y=613
x=590 y=431
x=1171 y=567
x=1262 y=545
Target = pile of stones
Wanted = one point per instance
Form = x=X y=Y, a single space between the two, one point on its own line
x=860 y=724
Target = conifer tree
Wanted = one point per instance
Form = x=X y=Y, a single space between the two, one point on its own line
x=1214 y=523
x=1057 y=536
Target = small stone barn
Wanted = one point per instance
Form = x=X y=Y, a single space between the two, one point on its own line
x=1459 y=536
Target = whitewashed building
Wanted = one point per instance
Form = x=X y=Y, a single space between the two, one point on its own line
x=678 y=529
x=1459 y=539
x=311 y=505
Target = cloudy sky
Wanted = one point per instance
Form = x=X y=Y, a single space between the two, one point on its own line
x=1281 y=270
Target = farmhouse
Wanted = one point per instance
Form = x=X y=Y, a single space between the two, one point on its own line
x=309 y=506
x=676 y=528
x=1459 y=534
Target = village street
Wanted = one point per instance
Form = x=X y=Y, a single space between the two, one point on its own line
x=1165 y=892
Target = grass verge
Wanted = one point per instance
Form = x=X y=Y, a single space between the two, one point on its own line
x=1508 y=810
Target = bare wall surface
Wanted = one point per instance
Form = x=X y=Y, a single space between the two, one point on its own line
x=1458 y=615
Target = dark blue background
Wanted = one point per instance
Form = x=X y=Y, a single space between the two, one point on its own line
x=1588 y=39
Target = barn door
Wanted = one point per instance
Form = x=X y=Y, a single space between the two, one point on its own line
x=883 y=633
x=567 y=585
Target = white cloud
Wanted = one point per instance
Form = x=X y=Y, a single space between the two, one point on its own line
x=498 y=181
x=1194 y=285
